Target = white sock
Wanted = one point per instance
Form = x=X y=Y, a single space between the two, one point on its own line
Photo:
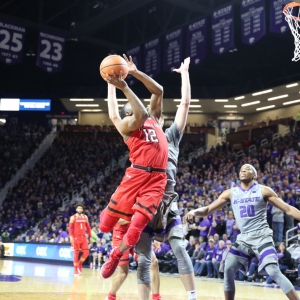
x=192 y=295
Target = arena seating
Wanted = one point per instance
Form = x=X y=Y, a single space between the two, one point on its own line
x=75 y=157
x=17 y=143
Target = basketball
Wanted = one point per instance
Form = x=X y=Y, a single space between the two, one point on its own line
x=113 y=63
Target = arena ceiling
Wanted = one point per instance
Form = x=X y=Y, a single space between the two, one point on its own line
x=97 y=28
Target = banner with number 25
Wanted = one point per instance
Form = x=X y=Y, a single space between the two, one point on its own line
x=11 y=42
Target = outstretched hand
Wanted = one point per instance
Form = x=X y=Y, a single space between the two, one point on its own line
x=131 y=66
x=189 y=216
x=184 y=66
x=116 y=80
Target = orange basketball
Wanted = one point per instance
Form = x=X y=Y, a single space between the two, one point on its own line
x=113 y=63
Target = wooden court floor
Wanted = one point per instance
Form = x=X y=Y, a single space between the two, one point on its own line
x=35 y=281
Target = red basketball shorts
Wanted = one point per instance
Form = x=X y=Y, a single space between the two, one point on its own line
x=139 y=191
x=80 y=243
x=117 y=238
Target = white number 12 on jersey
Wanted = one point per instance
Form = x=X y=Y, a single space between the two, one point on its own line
x=150 y=135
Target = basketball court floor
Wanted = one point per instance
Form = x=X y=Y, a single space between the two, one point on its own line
x=35 y=281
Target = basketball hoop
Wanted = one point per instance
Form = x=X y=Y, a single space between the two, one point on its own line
x=294 y=24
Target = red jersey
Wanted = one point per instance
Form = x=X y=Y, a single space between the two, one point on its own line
x=148 y=145
x=81 y=226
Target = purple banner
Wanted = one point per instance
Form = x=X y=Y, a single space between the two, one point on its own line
x=253 y=20
x=152 y=57
x=50 y=51
x=196 y=41
x=222 y=29
x=277 y=19
x=172 y=49
x=12 y=37
x=136 y=58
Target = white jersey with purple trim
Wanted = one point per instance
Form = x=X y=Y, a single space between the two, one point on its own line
x=249 y=208
x=174 y=137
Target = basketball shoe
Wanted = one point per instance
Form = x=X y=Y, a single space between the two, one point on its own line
x=76 y=273
x=111 y=264
x=111 y=297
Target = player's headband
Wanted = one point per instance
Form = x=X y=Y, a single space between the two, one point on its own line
x=252 y=168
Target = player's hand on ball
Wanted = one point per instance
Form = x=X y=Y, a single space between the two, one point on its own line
x=189 y=216
x=184 y=66
x=131 y=66
x=116 y=80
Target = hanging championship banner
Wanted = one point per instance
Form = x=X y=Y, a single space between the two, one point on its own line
x=253 y=17
x=12 y=37
x=152 y=57
x=136 y=58
x=50 y=51
x=222 y=29
x=172 y=50
x=277 y=18
x=196 y=41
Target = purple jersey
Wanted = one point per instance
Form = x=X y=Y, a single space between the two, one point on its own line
x=210 y=253
x=235 y=232
x=213 y=228
x=204 y=223
x=219 y=253
x=229 y=226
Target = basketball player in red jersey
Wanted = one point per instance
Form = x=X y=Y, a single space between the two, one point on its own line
x=78 y=226
x=142 y=187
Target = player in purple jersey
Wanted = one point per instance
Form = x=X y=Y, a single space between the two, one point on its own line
x=249 y=203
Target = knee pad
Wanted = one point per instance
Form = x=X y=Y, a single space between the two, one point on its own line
x=143 y=271
x=135 y=229
x=132 y=236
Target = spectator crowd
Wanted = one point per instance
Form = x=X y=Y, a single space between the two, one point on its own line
x=33 y=211
x=17 y=144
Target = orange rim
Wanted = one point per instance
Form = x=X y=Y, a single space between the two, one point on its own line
x=291 y=5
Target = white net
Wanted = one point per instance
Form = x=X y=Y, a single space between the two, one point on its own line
x=292 y=16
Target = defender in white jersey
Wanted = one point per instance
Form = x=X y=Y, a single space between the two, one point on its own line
x=249 y=203
x=166 y=224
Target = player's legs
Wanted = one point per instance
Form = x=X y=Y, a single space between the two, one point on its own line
x=123 y=266
x=282 y=281
x=185 y=267
x=144 y=208
x=118 y=280
x=143 y=249
x=154 y=268
x=232 y=265
x=76 y=245
x=150 y=194
x=85 y=254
